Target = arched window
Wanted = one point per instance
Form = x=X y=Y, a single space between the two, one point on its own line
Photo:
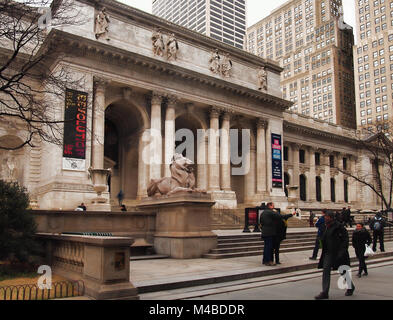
x=303 y=187
x=318 y=183
x=333 y=190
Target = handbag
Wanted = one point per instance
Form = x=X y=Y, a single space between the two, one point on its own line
x=369 y=251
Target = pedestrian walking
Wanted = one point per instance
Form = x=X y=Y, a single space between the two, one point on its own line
x=320 y=224
x=281 y=234
x=311 y=219
x=335 y=243
x=360 y=238
x=120 y=197
x=269 y=219
x=377 y=225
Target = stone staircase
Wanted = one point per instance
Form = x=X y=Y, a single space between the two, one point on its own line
x=246 y=244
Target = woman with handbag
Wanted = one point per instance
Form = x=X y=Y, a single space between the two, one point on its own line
x=360 y=238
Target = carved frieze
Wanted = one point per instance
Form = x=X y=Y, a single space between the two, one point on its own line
x=168 y=49
x=221 y=66
x=102 y=25
x=262 y=79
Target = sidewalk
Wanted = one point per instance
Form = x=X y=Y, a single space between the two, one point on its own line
x=155 y=275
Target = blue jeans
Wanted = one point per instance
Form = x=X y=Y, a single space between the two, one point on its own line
x=267 y=249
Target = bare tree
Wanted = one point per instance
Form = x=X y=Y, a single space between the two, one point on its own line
x=29 y=84
x=376 y=143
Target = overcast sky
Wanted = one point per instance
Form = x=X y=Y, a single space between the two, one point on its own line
x=258 y=9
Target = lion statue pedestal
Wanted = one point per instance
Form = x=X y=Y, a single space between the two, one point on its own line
x=183 y=221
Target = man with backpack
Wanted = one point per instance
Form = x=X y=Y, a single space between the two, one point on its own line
x=377 y=225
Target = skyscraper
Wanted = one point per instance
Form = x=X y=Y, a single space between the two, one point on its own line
x=374 y=62
x=224 y=20
x=314 y=46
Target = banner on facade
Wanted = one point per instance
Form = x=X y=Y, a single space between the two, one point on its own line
x=75 y=128
x=276 y=161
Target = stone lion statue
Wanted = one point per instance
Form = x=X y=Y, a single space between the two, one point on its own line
x=182 y=179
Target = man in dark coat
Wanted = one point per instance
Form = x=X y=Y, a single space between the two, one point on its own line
x=268 y=220
x=335 y=242
x=360 y=238
x=320 y=224
x=377 y=225
x=281 y=234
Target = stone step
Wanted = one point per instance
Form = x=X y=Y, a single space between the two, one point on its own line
x=226 y=277
x=259 y=246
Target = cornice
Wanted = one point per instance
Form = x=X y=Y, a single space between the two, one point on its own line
x=151 y=21
x=304 y=130
x=110 y=54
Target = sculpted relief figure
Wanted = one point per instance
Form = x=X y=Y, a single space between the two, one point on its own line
x=226 y=66
x=215 y=64
x=182 y=179
x=262 y=79
x=8 y=169
x=102 y=25
x=158 y=43
x=172 y=47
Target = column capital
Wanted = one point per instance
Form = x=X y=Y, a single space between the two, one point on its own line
x=227 y=114
x=156 y=97
x=214 y=112
x=100 y=84
x=262 y=123
x=295 y=146
x=172 y=100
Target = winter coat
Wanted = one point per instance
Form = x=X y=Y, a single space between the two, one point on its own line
x=359 y=240
x=281 y=230
x=320 y=224
x=335 y=243
x=269 y=220
x=381 y=220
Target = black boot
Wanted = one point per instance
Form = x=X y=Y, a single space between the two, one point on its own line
x=322 y=296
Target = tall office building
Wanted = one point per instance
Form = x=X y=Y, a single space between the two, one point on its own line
x=314 y=46
x=374 y=62
x=224 y=20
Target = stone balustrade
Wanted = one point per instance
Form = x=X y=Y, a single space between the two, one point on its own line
x=130 y=224
x=102 y=263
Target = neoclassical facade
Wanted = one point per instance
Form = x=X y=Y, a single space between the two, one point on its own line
x=145 y=80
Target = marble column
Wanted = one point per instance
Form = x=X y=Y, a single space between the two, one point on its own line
x=352 y=183
x=261 y=156
x=326 y=197
x=169 y=133
x=311 y=184
x=156 y=136
x=201 y=162
x=98 y=135
x=296 y=170
x=214 y=151
x=249 y=180
x=143 y=164
x=340 y=180
x=225 y=161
